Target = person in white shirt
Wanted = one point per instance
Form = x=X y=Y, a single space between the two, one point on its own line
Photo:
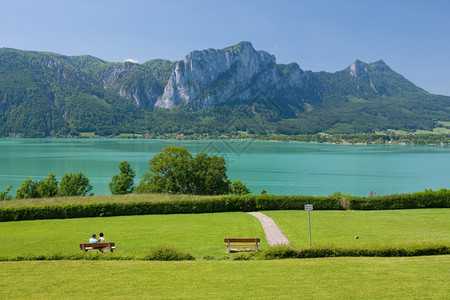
x=101 y=239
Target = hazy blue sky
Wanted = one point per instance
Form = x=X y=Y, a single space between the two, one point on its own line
x=413 y=37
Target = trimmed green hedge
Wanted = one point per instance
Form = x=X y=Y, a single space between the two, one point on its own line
x=221 y=204
x=281 y=252
x=426 y=199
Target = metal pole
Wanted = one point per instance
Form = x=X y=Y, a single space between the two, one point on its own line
x=309 y=222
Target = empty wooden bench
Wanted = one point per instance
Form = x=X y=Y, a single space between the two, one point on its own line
x=242 y=244
x=98 y=246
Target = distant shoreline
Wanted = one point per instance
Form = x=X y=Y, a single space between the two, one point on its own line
x=358 y=139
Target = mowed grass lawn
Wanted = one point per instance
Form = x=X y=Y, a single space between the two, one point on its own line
x=203 y=234
x=425 y=277
x=198 y=234
x=374 y=228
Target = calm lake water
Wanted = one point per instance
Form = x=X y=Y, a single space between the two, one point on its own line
x=279 y=168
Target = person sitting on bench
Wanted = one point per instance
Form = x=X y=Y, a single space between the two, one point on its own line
x=101 y=239
x=93 y=239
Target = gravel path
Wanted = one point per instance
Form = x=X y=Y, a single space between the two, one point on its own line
x=273 y=233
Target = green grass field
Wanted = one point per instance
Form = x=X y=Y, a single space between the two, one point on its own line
x=329 y=278
x=423 y=277
x=198 y=234
x=381 y=227
x=203 y=234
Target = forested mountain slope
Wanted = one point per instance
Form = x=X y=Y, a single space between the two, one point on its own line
x=214 y=91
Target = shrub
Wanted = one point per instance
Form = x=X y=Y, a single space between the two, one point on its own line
x=239 y=188
x=278 y=252
x=166 y=253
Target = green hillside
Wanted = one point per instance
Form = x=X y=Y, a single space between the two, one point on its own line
x=46 y=94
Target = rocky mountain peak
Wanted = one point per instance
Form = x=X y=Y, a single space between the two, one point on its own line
x=213 y=76
x=358 y=68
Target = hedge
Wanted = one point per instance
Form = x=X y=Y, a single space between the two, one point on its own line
x=220 y=204
x=426 y=199
x=280 y=252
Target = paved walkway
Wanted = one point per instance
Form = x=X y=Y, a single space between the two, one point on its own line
x=273 y=233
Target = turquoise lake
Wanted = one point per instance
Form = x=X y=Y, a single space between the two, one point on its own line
x=279 y=168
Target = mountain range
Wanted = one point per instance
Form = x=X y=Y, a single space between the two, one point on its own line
x=213 y=91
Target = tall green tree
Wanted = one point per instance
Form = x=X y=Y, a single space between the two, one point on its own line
x=123 y=183
x=74 y=185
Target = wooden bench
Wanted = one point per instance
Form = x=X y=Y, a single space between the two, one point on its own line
x=98 y=246
x=242 y=244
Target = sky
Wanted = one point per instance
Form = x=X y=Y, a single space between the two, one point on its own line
x=411 y=36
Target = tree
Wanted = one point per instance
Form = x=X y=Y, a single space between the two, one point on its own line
x=123 y=183
x=74 y=185
x=209 y=175
x=48 y=187
x=28 y=189
x=175 y=171
x=4 y=195
x=169 y=172
x=239 y=188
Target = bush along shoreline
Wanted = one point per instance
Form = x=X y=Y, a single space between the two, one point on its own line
x=425 y=199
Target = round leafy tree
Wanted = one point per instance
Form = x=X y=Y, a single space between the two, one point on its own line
x=74 y=185
x=175 y=171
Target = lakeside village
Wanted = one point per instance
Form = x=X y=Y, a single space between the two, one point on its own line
x=386 y=137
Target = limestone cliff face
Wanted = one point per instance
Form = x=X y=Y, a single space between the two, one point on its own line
x=142 y=83
x=238 y=73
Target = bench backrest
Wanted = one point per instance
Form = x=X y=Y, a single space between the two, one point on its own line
x=98 y=245
x=242 y=240
x=83 y=246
